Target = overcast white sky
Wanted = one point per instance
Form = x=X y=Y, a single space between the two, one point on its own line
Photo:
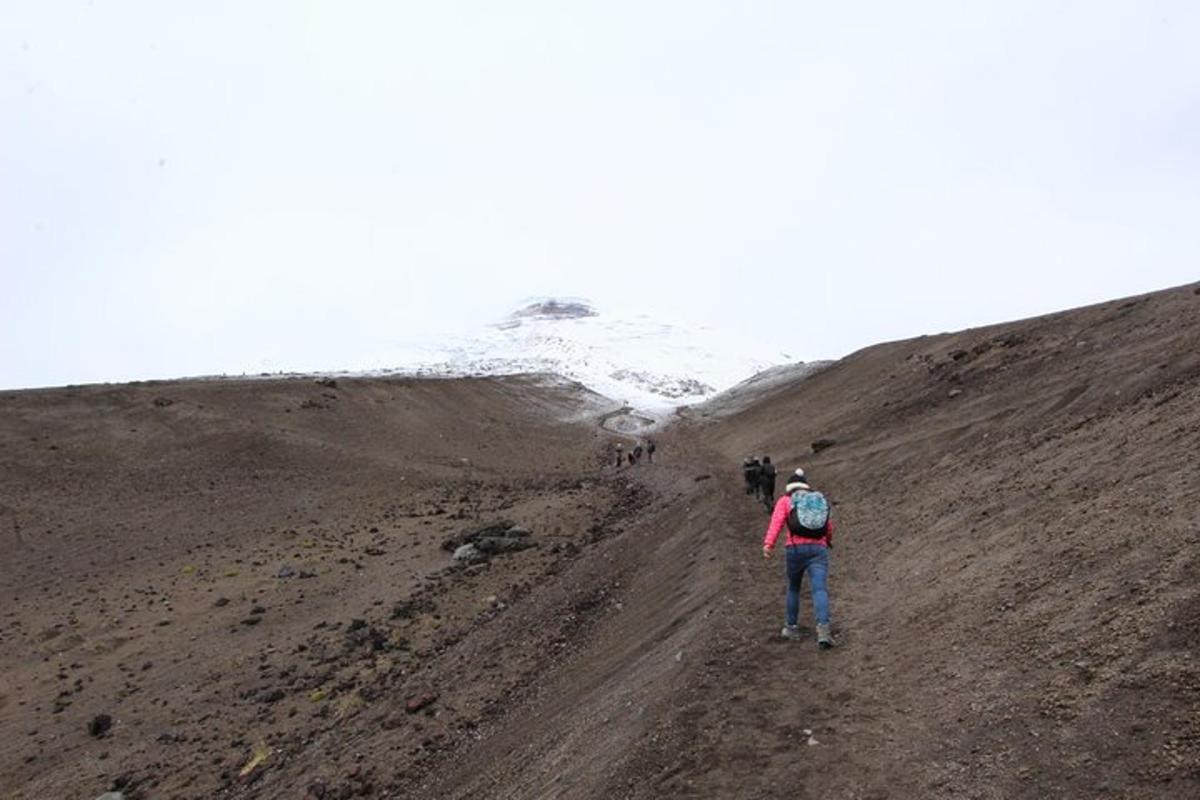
x=206 y=187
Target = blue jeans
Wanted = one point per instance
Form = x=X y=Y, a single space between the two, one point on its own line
x=815 y=559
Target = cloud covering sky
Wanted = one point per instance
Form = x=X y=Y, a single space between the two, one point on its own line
x=207 y=187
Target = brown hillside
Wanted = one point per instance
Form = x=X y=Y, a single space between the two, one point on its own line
x=1014 y=583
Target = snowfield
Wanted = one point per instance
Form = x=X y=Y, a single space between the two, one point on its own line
x=642 y=362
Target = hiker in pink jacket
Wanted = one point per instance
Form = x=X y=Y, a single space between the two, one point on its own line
x=805 y=512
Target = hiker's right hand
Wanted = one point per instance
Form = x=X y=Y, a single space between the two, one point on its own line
x=766 y=551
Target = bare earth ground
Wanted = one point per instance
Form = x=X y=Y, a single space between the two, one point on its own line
x=249 y=581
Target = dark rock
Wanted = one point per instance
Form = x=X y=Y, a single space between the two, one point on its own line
x=258 y=610
x=375 y=551
x=495 y=545
x=99 y=725
x=407 y=609
x=822 y=444
x=274 y=696
x=328 y=383
x=221 y=602
x=163 y=402
x=703 y=477
x=248 y=621
x=959 y=355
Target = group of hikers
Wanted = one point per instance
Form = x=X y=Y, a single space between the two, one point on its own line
x=804 y=511
x=759 y=475
x=635 y=453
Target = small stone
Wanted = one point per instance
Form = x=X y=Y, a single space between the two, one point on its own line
x=285 y=571
x=954 y=393
x=419 y=702
x=99 y=725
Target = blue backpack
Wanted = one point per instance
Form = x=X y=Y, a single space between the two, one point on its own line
x=809 y=515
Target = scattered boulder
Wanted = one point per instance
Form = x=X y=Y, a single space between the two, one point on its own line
x=163 y=402
x=495 y=545
x=99 y=725
x=497 y=528
x=823 y=443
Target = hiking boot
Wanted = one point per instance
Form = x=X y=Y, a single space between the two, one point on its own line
x=824 y=637
x=790 y=632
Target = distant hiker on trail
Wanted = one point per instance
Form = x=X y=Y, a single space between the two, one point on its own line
x=766 y=481
x=805 y=511
x=750 y=470
x=637 y=452
x=650 y=450
x=631 y=458
x=620 y=454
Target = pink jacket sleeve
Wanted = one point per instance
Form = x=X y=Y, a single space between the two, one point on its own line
x=778 y=517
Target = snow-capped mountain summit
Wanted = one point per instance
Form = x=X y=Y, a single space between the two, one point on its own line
x=648 y=363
